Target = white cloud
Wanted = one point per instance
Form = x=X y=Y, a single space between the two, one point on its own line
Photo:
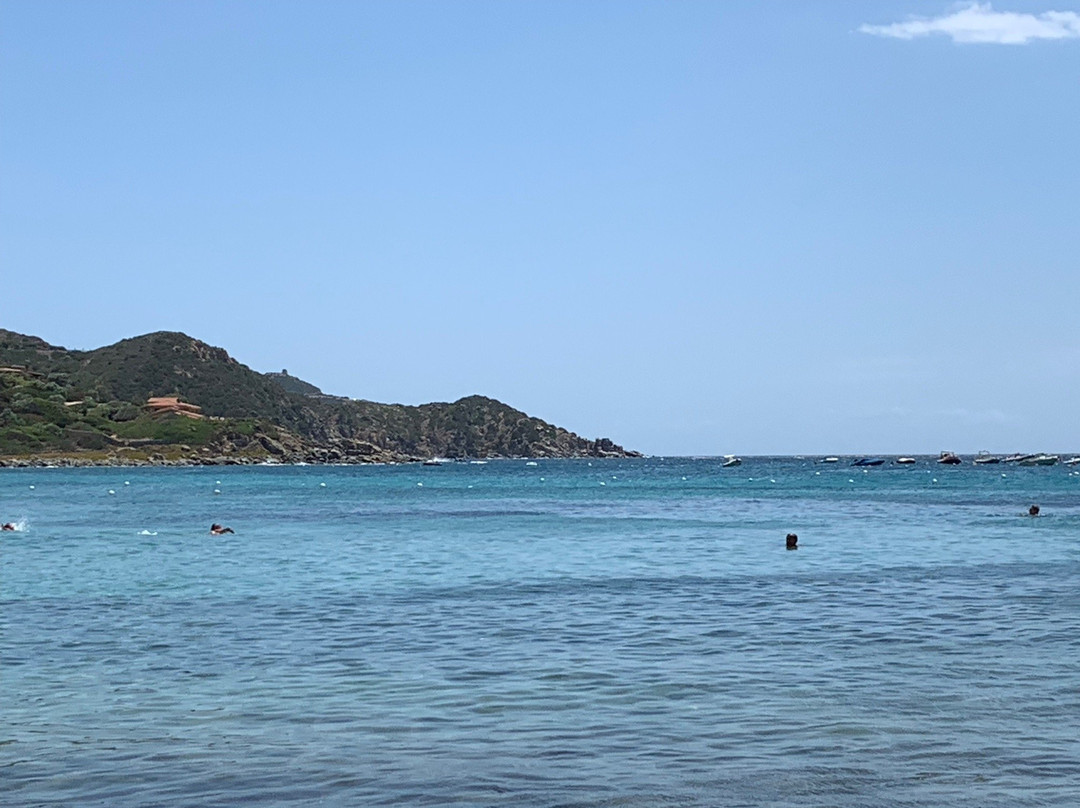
x=979 y=23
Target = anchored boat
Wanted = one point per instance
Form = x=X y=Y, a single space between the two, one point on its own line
x=1040 y=460
x=868 y=461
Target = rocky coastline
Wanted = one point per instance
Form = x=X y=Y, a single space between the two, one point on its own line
x=280 y=448
x=311 y=459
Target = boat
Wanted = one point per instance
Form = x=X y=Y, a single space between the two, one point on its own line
x=1040 y=460
x=868 y=461
x=985 y=458
x=1017 y=458
x=729 y=461
x=905 y=461
x=1072 y=461
x=949 y=459
x=830 y=460
x=434 y=461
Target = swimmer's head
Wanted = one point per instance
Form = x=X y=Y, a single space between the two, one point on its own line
x=1033 y=510
x=792 y=541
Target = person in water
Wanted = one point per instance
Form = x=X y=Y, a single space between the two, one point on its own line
x=1033 y=510
x=792 y=541
x=218 y=530
x=8 y=526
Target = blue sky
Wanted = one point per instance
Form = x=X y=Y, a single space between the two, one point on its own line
x=696 y=228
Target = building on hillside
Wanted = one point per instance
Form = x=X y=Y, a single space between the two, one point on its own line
x=170 y=405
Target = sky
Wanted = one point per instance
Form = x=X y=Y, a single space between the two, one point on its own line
x=697 y=228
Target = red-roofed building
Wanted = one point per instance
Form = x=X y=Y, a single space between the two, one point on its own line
x=170 y=405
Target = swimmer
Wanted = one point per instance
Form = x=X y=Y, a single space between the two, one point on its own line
x=1033 y=510
x=8 y=526
x=218 y=530
x=792 y=541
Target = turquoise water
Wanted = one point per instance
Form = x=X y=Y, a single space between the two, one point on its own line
x=626 y=633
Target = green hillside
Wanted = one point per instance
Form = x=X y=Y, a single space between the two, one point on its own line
x=291 y=384
x=78 y=403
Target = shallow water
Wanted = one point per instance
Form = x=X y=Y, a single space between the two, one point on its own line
x=525 y=635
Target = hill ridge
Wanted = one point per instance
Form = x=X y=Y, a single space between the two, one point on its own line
x=76 y=402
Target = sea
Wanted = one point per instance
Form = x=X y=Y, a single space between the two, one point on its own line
x=545 y=633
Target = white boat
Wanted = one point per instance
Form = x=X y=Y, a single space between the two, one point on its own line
x=830 y=460
x=1040 y=460
x=1018 y=458
x=434 y=461
x=985 y=458
x=1072 y=461
x=729 y=461
x=905 y=461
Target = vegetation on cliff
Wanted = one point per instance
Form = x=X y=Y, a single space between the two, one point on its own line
x=91 y=404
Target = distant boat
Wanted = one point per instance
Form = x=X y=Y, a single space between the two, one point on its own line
x=729 y=461
x=1072 y=461
x=905 y=461
x=949 y=459
x=830 y=460
x=985 y=458
x=1017 y=458
x=1040 y=460
x=434 y=461
x=868 y=461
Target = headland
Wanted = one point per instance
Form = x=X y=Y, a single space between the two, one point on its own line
x=169 y=399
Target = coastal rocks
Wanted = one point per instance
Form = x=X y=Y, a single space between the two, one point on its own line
x=248 y=443
x=605 y=447
x=271 y=446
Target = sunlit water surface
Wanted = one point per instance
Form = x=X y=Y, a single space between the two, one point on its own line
x=627 y=633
